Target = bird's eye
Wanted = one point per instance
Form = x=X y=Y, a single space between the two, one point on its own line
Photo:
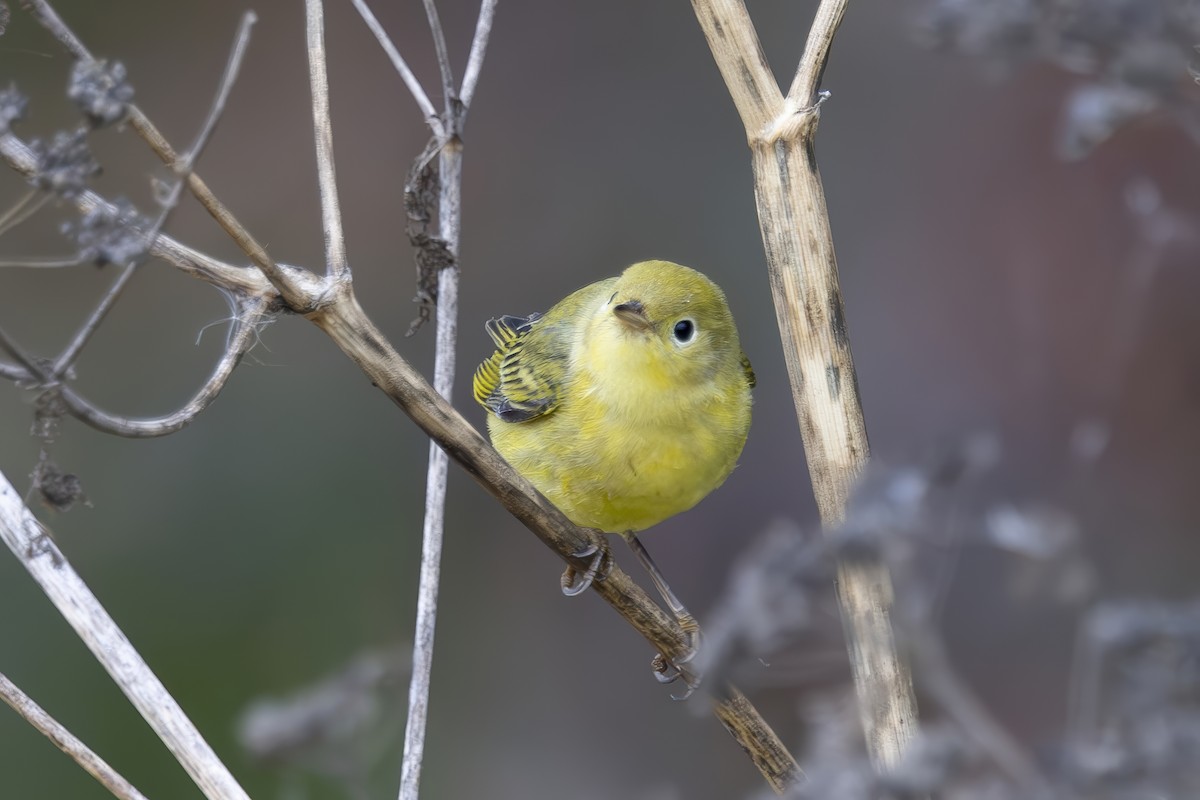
x=684 y=331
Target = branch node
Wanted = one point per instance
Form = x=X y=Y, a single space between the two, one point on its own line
x=796 y=123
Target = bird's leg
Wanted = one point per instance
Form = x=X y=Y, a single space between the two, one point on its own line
x=572 y=581
x=667 y=670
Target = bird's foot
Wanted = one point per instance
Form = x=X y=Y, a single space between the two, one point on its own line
x=575 y=582
x=670 y=670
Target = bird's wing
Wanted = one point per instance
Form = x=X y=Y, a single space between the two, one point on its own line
x=519 y=382
x=749 y=370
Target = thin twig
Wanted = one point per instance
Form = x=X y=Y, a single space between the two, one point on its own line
x=449 y=226
x=92 y=323
x=247 y=324
x=483 y=31
x=335 y=240
x=141 y=124
x=23 y=209
x=401 y=66
x=243 y=280
x=807 y=81
x=241 y=42
x=802 y=269
x=13 y=372
x=446 y=130
x=34 y=547
x=66 y=741
x=43 y=263
x=183 y=168
x=443 y=56
x=246 y=328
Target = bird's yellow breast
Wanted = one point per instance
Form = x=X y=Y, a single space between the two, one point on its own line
x=632 y=442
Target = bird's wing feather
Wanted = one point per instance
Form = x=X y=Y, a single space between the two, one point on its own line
x=520 y=381
x=749 y=370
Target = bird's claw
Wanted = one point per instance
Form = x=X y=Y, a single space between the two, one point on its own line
x=666 y=672
x=574 y=582
x=670 y=670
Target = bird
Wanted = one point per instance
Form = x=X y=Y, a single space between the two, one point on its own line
x=626 y=403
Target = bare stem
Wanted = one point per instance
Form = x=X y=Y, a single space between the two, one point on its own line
x=92 y=324
x=27 y=370
x=20 y=158
x=66 y=741
x=13 y=372
x=449 y=229
x=34 y=547
x=144 y=128
x=483 y=30
x=400 y=65
x=802 y=270
x=183 y=169
x=449 y=224
x=241 y=42
x=242 y=338
x=43 y=263
x=443 y=55
x=24 y=208
x=335 y=240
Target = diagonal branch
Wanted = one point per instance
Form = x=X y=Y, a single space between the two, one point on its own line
x=816 y=53
x=483 y=30
x=401 y=66
x=183 y=169
x=278 y=276
x=66 y=741
x=243 y=280
x=247 y=324
x=24 y=208
x=339 y=315
x=740 y=57
x=349 y=327
x=802 y=270
x=34 y=547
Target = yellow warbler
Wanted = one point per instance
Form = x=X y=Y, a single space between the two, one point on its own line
x=626 y=403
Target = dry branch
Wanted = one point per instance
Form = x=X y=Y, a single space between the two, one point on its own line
x=34 y=547
x=28 y=370
x=802 y=270
x=330 y=304
x=446 y=129
x=242 y=280
x=356 y=335
x=64 y=740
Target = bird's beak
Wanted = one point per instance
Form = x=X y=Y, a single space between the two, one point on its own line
x=633 y=314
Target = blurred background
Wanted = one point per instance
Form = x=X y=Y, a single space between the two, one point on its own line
x=999 y=277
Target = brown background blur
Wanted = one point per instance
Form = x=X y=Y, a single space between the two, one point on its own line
x=264 y=545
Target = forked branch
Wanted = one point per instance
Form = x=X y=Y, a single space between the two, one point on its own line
x=330 y=304
x=803 y=275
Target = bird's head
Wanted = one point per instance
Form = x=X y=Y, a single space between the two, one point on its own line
x=670 y=320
